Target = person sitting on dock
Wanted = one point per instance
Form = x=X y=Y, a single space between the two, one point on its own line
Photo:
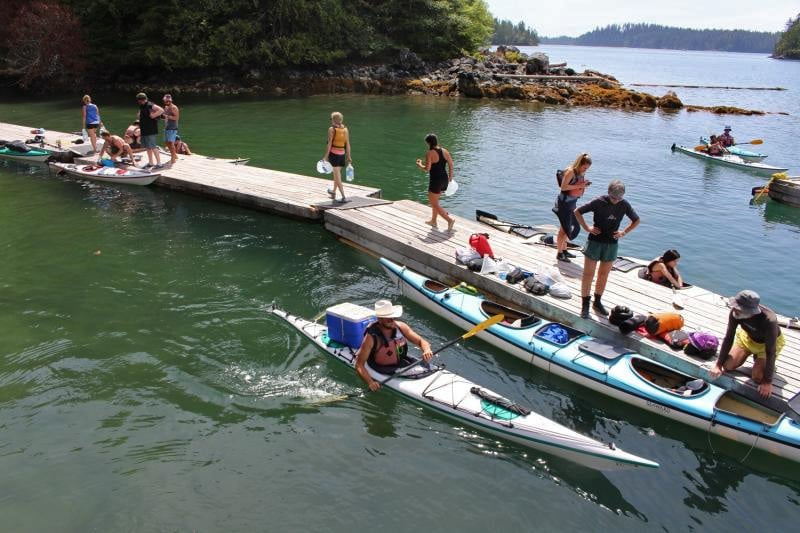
x=384 y=346
x=726 y=139
x=133 y=135
x=752 y=329
x=715 y=147
x=603 y=241
x=115 y=146
x=181 y=147
x=664 y=270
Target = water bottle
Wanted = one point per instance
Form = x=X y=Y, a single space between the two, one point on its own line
x=349 y=173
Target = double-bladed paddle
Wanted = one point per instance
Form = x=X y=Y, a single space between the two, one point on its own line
x=399 y=372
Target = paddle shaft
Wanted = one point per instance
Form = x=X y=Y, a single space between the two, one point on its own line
x=475 y=330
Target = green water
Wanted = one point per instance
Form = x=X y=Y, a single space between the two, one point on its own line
x=144 y=388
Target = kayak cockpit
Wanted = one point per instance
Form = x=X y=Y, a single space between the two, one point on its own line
x=435 y=286
x=736 y=404
x=667 y=379
x=511 y=317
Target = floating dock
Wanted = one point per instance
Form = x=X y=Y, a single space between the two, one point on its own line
x=397 y=230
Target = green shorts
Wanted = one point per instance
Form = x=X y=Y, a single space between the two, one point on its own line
x=601 y=251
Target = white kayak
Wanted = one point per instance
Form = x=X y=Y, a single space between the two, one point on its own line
x=130 y=176
x=454 y=396
x=731 y=161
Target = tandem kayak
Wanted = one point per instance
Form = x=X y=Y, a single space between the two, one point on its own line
x=737 y=150
x=452 y=395
x=731 y=161
x=130 y=176
x=17 y=153
x=612 y=370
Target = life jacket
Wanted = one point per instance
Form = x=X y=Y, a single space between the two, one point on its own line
x=339 y=139
x=480 y=242
x=386 y=352
x=659 y=323
x=576 y=178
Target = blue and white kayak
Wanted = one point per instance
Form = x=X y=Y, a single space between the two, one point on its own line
x=606 y=368
x=747 y=155
x=730 y=160
x=452 y=395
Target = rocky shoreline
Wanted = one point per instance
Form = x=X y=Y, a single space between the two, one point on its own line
x=505 y=74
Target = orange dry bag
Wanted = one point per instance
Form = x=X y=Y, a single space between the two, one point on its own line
x=660 y=323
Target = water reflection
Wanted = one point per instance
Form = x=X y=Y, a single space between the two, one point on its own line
x=778 y=213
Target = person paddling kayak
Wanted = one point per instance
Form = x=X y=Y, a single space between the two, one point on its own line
x=385 y=344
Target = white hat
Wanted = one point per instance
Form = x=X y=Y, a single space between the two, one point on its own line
x=385 y=309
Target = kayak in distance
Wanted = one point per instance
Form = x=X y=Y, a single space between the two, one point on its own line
x=456 y=397
x=130 y=176
x=612 y=370
x=730 y=161
x=737 y=150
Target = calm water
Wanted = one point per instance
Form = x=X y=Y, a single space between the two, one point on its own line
x=144 y=388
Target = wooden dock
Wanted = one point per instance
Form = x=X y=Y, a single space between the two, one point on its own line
x=397 y=231
x=283 y=193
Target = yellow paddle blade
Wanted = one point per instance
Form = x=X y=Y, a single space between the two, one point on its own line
x=483 y=325
x=756 y=141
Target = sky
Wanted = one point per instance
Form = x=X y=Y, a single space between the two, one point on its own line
x=574 y=17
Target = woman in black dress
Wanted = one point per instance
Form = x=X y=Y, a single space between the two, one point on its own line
x=440 y=166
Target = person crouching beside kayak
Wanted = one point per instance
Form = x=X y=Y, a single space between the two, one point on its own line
x=752 y=329
x=385 y=344
x=115 y=146
x=603 y=241
x=572 y=184
x=664 y=270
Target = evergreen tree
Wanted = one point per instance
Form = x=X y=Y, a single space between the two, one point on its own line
x=789 y=43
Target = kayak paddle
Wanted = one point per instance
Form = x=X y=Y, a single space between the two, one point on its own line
x=399 y=372
x=754 y=141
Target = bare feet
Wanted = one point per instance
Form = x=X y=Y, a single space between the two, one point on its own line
x=450 y=224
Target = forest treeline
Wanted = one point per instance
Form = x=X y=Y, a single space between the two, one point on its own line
x=56 y=42
x=506 y=32
x=789 y=44
x=655 y=36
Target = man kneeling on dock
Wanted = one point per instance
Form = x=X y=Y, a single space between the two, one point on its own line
x=115 y=146
x=757 y=333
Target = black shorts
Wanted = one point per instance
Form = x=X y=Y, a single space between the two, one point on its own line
x=438 y=185
x=336 y=160
x=92 y=126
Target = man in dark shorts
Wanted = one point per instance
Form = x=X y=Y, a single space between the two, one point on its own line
x=752 y=329
x=603 y=241
x=148 y=125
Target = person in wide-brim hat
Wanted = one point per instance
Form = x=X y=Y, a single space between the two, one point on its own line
x=752 y=330
x=385 y=345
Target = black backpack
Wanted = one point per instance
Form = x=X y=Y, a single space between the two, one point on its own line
x=534 y=286
x=515 y=276
x=619 y=314
x=475 y=264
